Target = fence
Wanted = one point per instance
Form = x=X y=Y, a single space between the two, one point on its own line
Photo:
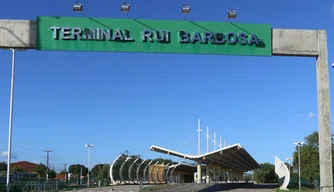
x=307 y=183
x=26 y=186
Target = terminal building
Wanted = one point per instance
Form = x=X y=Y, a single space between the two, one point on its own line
x=225 y=164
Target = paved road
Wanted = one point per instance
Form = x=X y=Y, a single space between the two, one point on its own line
x=244 y=187
x=189 y=188
x=121 y=188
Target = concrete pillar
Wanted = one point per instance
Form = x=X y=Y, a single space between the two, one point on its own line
x=232 y=176
x=220 y=173
x=224 y=175
x=199 y=173
x=214 y=174
x=325 y=147
x=207 y=174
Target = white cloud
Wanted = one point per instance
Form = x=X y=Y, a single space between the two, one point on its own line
x=311 y=115
x=5 y=154
x=308 y=115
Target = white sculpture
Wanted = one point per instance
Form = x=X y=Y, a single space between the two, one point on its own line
x=283 y=173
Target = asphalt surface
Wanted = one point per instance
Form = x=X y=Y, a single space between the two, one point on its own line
x=244 y=187
x=190 y=187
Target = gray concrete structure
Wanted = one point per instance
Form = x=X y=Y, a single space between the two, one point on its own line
x=21 y=34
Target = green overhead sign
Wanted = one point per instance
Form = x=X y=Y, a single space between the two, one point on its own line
x=153 y=36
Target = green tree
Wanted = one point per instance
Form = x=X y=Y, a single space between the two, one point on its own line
x=76 y=169
x=96 y=170
x=17 y=169
x=165 y=161
x=309 y=157
x=52 y=174
x=104 y=174
x=41 y=170
x=247 y=177
x=3 y=166
x=266 y=174
x=62 y=172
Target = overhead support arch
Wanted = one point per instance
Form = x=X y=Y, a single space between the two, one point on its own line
x=163 y=179
x=111 y=170
x=167 y=176
x=157 y=173
x=171 y=174
x=129 y=172
x=121 y=170
x=144 y=172
x=151 y=172
x=137 y=172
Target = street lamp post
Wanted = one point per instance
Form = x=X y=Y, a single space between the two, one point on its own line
x=88 y=146
x=298 y=144
x=289 y=159
x=9 y=151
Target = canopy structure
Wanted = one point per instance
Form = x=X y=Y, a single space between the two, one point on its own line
x=233 y=157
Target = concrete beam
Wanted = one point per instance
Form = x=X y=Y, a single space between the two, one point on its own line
x=293 y=42
x=22 y=34
x=19 y=34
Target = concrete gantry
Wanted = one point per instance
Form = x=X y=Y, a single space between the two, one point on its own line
x=21 y=34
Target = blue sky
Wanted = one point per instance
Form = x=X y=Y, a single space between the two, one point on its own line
x=127 y=101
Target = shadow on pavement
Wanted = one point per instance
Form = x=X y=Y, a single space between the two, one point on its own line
x=231 y=186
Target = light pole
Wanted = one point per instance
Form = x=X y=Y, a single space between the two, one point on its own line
x=9 y=151
x=289 y=159
x=88 y=146
x=298 y=144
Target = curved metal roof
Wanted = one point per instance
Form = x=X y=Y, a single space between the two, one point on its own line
x=233 y=157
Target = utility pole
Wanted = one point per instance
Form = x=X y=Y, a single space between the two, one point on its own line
x=47 y=162
x=298 y=144
x=289 y=159
x=65 y=171
x=88 y=146
x=80 y=174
